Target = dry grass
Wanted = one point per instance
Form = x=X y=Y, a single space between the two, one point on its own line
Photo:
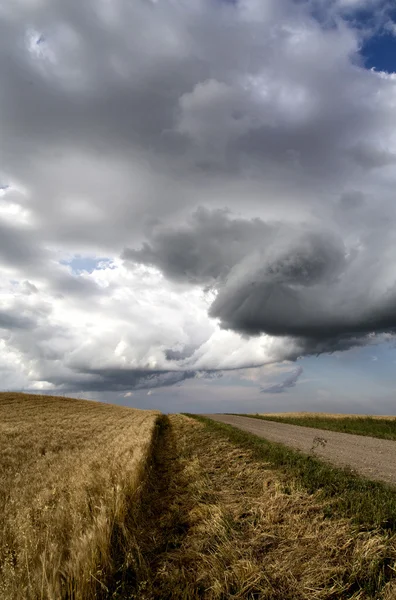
x=69 y=473
x=247 y=531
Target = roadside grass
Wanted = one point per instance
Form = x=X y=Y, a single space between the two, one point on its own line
x=370 y=505
x=224 y=523
x=384 y=428
x=70 y=478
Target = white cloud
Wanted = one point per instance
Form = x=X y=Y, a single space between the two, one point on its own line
x=390 y=26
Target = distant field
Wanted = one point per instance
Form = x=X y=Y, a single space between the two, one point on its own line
x=375 y=426
x=326 y=415
x=69 y=472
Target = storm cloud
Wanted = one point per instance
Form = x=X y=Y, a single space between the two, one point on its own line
x=190 y=187
x=280 y=279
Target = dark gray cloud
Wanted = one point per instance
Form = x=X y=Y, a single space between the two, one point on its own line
x=205 y=250
x=104 y=380
x=279 y=279
x=311 y=287
x=289 y=382
x=369 y=157
x=13 y=320
x=19 y=247
x=176 y=354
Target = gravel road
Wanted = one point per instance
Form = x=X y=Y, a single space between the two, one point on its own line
x=370 y=457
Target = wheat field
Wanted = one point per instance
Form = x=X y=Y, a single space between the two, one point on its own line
x=103 y=502
x=70 y=471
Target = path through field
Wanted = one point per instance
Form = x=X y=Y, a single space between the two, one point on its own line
x=216 y=523
x=371 y=457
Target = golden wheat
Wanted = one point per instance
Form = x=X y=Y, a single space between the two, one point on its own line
x=69 y=470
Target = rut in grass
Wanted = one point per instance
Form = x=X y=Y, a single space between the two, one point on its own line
x=216 y=523
x=160 y=525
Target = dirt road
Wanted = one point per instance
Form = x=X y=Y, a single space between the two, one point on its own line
x=370 y=457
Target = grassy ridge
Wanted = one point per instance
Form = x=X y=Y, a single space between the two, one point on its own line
x=369 y=504
x=379 y=428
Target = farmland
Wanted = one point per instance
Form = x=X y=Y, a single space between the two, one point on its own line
x=105 y=502
x=69 y=472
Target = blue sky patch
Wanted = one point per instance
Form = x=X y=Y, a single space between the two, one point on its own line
x=79 y=264
x=379 y=52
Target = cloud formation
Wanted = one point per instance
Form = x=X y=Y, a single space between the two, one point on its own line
x=189 y=187
x=289 y=382
x=280 y=279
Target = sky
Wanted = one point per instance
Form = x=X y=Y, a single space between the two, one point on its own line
x=197 y=203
